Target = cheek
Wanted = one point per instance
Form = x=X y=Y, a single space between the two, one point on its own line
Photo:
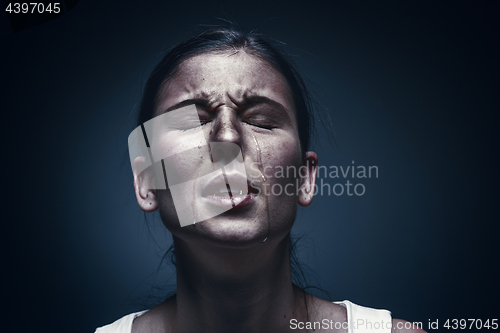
x=182 y=167
x=282 y=167
x=284 y=159
x=181 y=170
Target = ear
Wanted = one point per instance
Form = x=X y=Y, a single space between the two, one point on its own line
x=308 y=180
x=144 y=192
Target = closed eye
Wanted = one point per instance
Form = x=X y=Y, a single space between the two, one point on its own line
x=194 y=125
x=261 y=125
x=260 y=120
x=202 y=119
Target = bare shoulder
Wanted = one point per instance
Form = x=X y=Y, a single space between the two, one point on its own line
x=331 y=317
x=322 y=309
x=153 y=321
x=403 y=326
x=145 y=323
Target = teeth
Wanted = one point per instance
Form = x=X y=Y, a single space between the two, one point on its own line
x=225 y=192
x=222 y=193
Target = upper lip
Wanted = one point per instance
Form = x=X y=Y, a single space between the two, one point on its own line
x=238 y=182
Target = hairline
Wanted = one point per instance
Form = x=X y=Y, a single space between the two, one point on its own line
x=256 y=54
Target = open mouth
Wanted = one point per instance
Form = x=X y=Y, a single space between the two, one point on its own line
x=225 y=190
x=229 y=190
x=227 y=193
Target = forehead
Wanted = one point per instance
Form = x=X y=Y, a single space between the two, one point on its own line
x=225 y=78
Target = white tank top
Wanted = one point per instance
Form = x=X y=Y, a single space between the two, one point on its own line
x=360 y=319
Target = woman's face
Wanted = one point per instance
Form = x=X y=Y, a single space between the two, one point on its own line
x=222 y=105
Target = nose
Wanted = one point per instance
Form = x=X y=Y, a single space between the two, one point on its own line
x=225 y=137
x=226 y=127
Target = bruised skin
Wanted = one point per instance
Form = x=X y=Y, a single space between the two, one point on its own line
x=242 y=100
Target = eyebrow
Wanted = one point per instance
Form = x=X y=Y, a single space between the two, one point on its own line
x=247 y=101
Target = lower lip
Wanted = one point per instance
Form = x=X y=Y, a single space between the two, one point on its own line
x=235 y=202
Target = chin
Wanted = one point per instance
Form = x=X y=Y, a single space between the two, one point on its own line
x=233 y=233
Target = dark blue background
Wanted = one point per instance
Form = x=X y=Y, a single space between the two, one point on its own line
x=410 y=88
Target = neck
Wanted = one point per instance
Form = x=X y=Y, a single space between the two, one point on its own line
x=235 y=290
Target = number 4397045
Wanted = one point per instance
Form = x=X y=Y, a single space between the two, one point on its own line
x=471 y=323
x=33 y=7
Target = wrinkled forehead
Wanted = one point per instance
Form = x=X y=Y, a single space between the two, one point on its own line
x=224 y=79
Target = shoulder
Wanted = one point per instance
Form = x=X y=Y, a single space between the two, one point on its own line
x=403 y=326
x=122 y=325
x=158 y=319
x=326 y=309
x=370 y=318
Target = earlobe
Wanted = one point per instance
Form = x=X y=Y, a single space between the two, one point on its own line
x=144 y=193
x=308 y=181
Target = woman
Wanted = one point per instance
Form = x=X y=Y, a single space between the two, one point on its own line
x=221 y=115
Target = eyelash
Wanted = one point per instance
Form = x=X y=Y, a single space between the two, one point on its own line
x=267 y=127
x=190 y=128
x=250 y=122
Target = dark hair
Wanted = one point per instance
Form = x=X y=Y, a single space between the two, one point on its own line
x=229 y=39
